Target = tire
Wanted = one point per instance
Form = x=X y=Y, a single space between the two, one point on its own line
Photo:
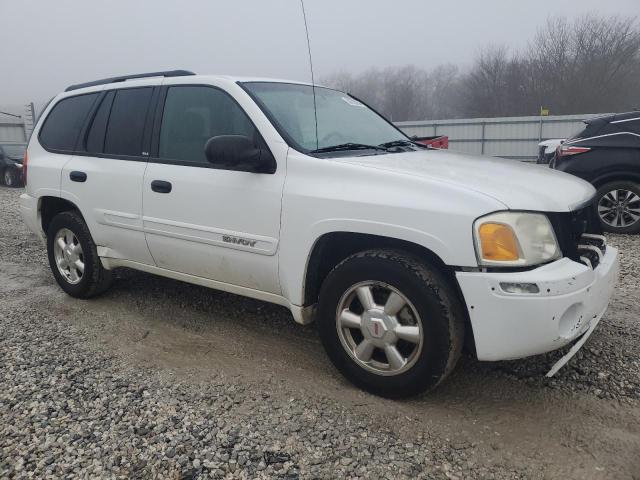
x=432 y=306
x=617 y=207
x=94 y=279
x=10 y=177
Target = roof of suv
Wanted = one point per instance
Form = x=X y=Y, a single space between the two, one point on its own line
x=172 y=73
x=615 y=117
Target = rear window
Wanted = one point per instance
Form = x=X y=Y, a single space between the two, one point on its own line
x=63 y=124
x=126 y=122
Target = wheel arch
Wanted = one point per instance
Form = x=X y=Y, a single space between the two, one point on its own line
x=333 y=247
x=616 y=176
x=49 y=207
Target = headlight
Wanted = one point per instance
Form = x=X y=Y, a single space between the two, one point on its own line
x=514 y=239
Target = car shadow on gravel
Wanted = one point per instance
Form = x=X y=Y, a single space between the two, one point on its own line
x=606 y=367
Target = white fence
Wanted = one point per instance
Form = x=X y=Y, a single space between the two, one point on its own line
x=508 y=137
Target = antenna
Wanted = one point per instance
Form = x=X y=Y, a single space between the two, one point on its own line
x=313 y=82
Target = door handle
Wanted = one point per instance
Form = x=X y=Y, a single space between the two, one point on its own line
x=160 y=186
x=76 y=176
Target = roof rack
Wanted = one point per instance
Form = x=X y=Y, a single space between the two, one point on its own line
x=104 y=81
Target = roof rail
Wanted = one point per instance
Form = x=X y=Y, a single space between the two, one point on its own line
x=104 y=81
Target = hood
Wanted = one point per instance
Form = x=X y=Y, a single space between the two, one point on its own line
x=519 y=186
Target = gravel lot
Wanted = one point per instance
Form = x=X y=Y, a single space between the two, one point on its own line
x=160 y=379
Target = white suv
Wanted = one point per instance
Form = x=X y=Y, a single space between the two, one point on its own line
x=305 y=197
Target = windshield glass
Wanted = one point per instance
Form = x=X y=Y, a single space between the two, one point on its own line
x=341 y=119
x=13 y=150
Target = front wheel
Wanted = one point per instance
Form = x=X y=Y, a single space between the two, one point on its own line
x=73 y=257
x=618 y=207
x=390 y=323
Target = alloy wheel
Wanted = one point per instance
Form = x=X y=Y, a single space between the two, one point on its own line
x=68 y=255
x=619 y=208
x=379 y=328
x=8 y=178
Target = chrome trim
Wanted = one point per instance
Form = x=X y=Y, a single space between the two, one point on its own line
x=578 y=140
x=626 y=120
x=587 y=262
x=593 y=248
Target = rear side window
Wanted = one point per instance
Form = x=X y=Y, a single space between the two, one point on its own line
x=125 y=128
x=632 y=126
x=95 y=136
x=62 y=126
x=589 y=130
x=194 y=114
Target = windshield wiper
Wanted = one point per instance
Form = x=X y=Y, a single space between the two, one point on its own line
x=348 y=146
x=399 y=143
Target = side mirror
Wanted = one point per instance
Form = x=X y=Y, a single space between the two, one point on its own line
x=239 y=152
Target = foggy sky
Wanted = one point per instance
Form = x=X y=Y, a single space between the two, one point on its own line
x=47 y=45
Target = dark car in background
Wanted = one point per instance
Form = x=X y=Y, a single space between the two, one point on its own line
x=11 y=156
x=606 y=153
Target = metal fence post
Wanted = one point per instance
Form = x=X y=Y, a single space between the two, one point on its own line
x=540 y=130
x=482 y=139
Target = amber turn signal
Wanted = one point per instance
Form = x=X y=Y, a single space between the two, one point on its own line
x=498 y=242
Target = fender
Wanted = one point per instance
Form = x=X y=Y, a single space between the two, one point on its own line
x=294 y=257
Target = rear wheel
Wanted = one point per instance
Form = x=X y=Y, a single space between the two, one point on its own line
x=618 y=207
x=10 y=177
x=73 y=257
x=390 y=323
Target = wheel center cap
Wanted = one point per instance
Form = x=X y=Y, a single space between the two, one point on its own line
x=376 y=327
x=376 y=323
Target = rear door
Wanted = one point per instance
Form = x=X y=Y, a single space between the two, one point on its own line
x=209 y=222
x=105 y=178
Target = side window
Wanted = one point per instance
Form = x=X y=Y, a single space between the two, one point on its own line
x=633 y=126
x=63 y=124
x=194 y=114
x=95 y=136
x=126 y=121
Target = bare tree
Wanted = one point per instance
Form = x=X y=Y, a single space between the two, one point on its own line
x=400 y=93
x=590 y=65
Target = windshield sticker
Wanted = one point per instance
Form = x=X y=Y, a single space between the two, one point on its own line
x=353 y=102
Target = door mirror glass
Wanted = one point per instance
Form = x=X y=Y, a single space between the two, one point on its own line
x=238 y=152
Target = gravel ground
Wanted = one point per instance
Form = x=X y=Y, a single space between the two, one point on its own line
x=160 y=379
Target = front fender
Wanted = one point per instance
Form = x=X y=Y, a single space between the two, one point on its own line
x=295 y=255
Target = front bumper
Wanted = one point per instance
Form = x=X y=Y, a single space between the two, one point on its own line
x=572 y=298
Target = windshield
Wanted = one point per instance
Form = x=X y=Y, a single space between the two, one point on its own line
x=13 y=150
x=341 y=118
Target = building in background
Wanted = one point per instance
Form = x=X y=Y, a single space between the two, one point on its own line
x=16 y=123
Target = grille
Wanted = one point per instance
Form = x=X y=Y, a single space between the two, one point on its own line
x=579 y=234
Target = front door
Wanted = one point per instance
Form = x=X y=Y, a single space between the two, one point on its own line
x=218 y=224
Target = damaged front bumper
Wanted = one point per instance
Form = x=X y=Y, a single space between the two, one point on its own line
x=571 y=299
